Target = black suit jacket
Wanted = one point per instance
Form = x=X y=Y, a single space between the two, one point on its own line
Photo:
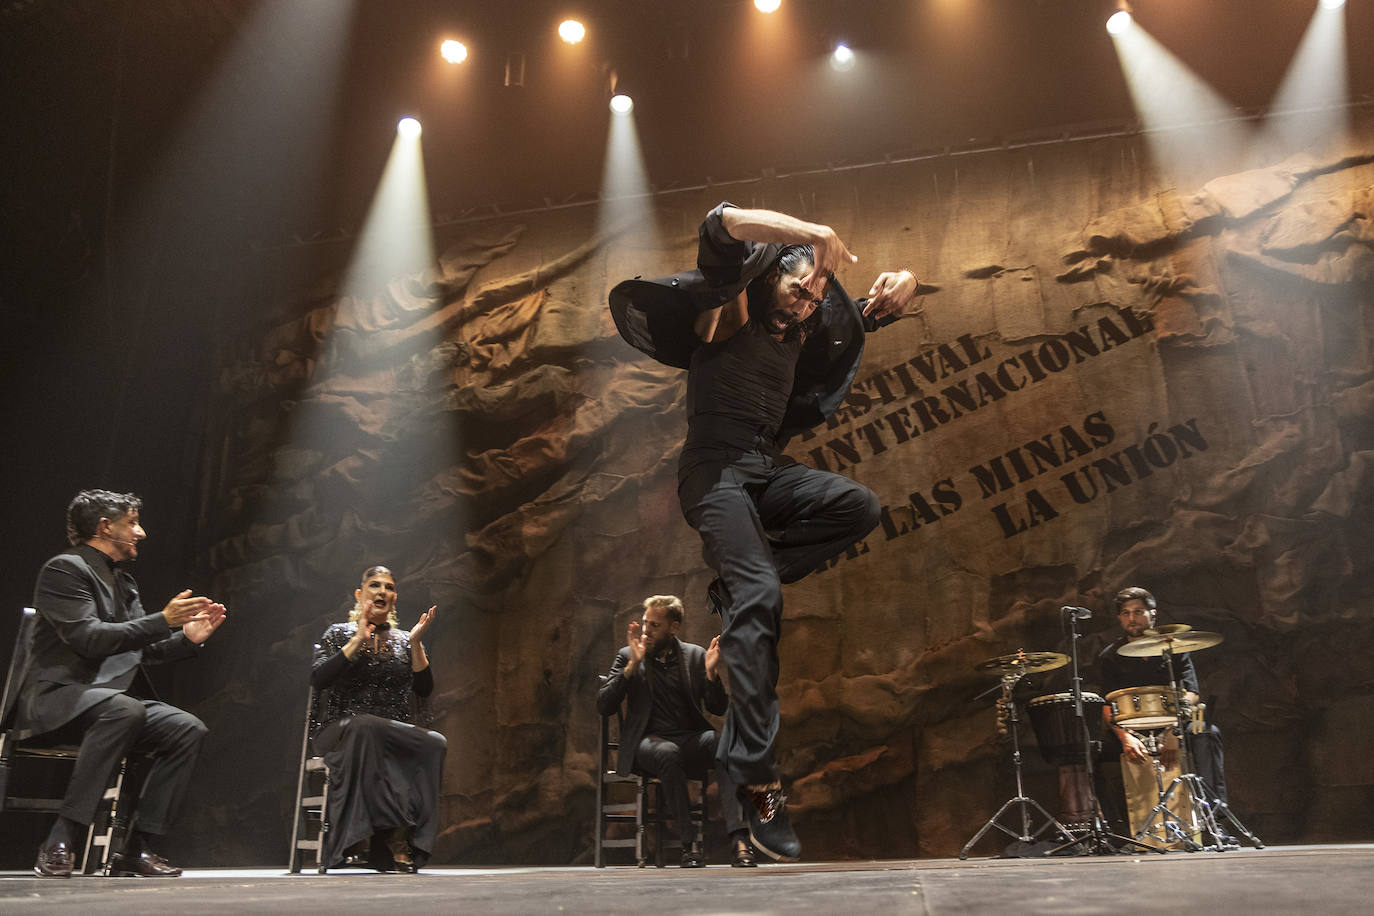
x=657 y=317
x=85 y=648
x=697 y=689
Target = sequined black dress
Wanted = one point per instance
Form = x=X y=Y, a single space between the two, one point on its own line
x=384 y=772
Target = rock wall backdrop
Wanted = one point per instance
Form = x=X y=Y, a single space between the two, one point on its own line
x=1110 y=382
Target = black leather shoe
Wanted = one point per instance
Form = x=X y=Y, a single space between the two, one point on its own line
x=144 y=865
x=54 y=861
x=770 y=829
x=716 y=598
x=693 y=858
x=744 y=855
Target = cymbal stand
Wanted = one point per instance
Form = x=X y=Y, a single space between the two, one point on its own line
x=1021 y=800
x=1204 y=810
x=1097 y=840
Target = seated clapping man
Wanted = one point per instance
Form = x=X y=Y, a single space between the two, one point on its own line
x=86 y=684
x=665 y=734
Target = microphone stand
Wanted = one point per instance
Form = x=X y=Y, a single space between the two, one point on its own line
x=1097 y=841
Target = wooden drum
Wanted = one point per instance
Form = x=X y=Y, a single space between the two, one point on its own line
x=1153 y=706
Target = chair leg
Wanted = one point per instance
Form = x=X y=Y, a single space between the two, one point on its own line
x=324 y=823
x=115 y=823
x=86 y=850
x=641 y=794
x=598 y=850
x=598 y=853
x=701 y=822
x=659 y=831
x=121 y=815
x=293 y=866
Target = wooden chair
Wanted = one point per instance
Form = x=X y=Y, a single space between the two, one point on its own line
x=111 y=823
x=313 y=808
x=637 y=800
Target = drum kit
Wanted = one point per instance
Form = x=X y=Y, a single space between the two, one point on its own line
x=1169 y=807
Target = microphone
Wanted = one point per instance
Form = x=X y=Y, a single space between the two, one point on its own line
x=1079 y=613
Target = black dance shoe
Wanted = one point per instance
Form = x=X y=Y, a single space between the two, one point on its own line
x=770 y=829
x=744 y=855
x=693 y=857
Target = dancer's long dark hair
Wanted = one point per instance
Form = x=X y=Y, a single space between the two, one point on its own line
x=790 y=260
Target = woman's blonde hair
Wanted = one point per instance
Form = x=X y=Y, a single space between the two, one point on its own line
x=356 y=614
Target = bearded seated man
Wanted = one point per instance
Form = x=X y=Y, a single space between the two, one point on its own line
x=665 y=734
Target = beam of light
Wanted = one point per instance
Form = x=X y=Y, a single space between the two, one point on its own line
x=1332 y=4
x=622 y=104
x=767 y=6
x=408 y=128
x=1308 y=111
x=626 y=195
x=328 y=457
x=395 y=243
x=1119 y=22
x=1194 y=134
x=453 y=51
x=207 y=183
x=292 y=53
x=571 y=31
x=842 y=58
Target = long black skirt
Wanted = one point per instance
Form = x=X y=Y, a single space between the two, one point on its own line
x=383 y=774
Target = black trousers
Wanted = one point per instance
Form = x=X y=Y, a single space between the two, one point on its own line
x=764 y=521
x=168 y=738
x=675 y=759
x=1209 y=759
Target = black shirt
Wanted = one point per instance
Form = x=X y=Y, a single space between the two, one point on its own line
x=738 y=388
x=671 y=714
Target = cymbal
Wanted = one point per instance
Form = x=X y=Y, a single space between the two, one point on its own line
x=1168 y=629
x=1179 y=643
x=1023 y=663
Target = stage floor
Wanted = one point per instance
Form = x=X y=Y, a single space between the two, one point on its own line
x=1284 y=879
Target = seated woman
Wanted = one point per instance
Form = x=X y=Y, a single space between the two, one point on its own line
x=384 y=772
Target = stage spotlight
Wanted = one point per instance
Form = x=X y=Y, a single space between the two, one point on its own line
x=622 y=103
x=455 y=52
x=767 y=6
x=1333 y=4
x=408 y=128
x=842 y=58
x=571 y=31
x=1120 y=21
